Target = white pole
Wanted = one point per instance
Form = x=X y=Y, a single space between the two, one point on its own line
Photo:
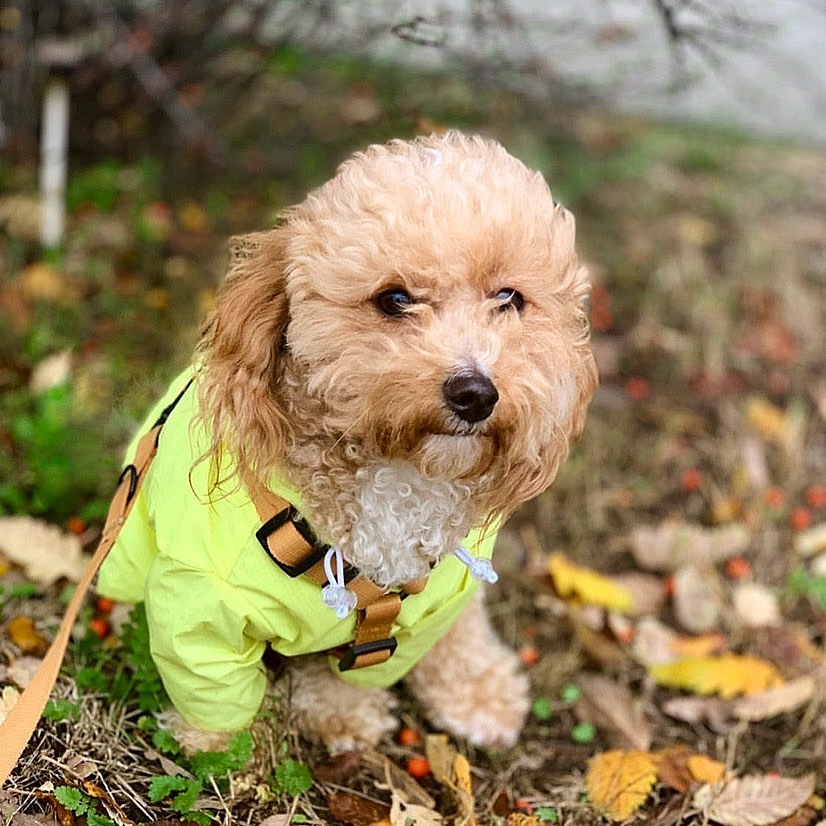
x=54 y=145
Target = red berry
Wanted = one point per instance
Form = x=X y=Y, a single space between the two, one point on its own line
x=637 y=388
x=529 y=654
x=524 y=806
x=738 y=567
x=104 y=605
x=409 y=737
x=75 y=525
x=691 y=479
x=816 y=496
x=418 y=767
x=800 y=518
x=774 y=497
x=100 y=627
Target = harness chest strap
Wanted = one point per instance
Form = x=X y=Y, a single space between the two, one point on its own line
x=292 y=545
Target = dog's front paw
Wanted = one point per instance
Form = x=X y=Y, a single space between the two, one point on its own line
x=341 y=716
x=488 y=710
x=190 y=737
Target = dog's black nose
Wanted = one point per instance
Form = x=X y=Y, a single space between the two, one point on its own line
x=471 y=396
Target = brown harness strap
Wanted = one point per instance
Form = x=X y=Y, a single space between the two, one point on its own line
x=292 y=545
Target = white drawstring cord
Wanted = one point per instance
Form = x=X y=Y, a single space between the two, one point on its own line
x=480 y=569
x=334 y=594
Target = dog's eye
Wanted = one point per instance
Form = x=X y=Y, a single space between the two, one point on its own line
x=510 y=299
x=394 y=302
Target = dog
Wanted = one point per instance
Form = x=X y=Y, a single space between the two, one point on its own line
x=405 y=359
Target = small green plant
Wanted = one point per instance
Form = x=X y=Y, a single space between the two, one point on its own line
x=82 y=805
x=146 y=682
x=546 y=814
x=542 y=709
x=291 y=777
x=182 y=793
x=802 y=583
x=57 y=711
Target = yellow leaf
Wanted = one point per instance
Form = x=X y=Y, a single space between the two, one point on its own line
x=766 y=419
x=727 y=675
x=705 y=769
x=618 y=782
x=584 y=585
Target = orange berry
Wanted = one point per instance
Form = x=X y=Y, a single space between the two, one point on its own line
x=800 y=518
x=409 y=737
x=816 y=496
x=529 y=654
x=104 y=605
x=100 y=627
x=524 y=806
x=774 y=497
x=418 y=767
x=626 y=635
x=637 y=388
x=691 y=479
x=602 y=319
x=738 y=567
x=75 y=525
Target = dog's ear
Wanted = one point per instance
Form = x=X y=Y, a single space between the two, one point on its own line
x=239 y=351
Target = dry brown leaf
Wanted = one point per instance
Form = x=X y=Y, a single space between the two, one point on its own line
x=696 y=605
x=701 y=645
x=385 y=770
x=339 y=767
x=22 y=670
x=804 y=816
x=782 y=699
x=43 y=551
x=755 y=605
x=709 y=710
x=23 y=634
x=610 y=707
x=618 y=782
x=52 y=371
x=8 y=700
x=356 y=810
x=672 y=768
x=672 y=544
x=576 y=582
x=647 y=591
x=597 y=645
x=727 y=675
x=276 y=820
x=403 y=813
x=754 y=800
x=790 y=647
x=653 y=642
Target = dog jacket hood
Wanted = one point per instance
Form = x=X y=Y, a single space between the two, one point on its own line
x=214 y=598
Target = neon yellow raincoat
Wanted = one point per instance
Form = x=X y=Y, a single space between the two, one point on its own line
x=214 y=598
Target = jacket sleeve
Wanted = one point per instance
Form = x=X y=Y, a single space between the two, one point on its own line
x=203 y=645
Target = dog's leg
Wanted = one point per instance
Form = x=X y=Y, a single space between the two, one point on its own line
x=470 y=684
x=341 y=716
x=193 y=739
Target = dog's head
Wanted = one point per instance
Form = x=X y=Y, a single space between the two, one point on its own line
x=426 y=304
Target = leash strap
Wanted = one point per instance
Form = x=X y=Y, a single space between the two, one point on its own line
x=19 y=726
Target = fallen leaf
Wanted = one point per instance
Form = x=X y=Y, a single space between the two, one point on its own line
x=702 y=645
x=618 y=782
x=811 y=541
x=23 y=634
x=403 y=813
x=452 y=770
x=611 y=707
x=782 y=699
x=276 y=820
x=789 y=647
x=386 y=771
x=755 y=605
x=727 y=675
x=672 y=544
x=711 y=711
x=356 y=810
x=8 y=700
x=705 y=769
x=653 y=642
x=755 y=800
x=43 y=551
x=584 y=585
x=804 y=816
x=22 y=670
x=767 y=420
x=696 y=605
x=647 y=591
x=52 y=371
x=339 y=767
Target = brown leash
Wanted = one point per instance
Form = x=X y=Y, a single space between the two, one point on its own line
x=21 y=721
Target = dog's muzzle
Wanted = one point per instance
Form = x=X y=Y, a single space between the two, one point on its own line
x=471 y=396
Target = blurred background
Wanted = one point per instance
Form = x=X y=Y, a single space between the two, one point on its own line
x=687 y=136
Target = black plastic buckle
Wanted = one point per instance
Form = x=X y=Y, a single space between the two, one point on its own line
x=348 y=658
x=291 y=514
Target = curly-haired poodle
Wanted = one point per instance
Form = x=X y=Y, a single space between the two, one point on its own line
x=404 y=359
